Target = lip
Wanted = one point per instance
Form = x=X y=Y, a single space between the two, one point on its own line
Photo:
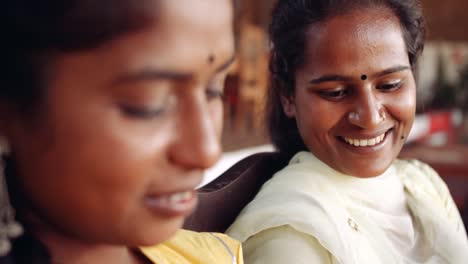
x=175 y=204
x=367 y=149
x=368 y=135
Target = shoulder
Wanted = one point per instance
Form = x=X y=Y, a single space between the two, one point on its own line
x=412 y=165
x=202 y=239
x=425 y=186
x=304 y=173
x=299 y=196
x=431 y=201
x=284 y=244
x=194 y=247
x=420 y=177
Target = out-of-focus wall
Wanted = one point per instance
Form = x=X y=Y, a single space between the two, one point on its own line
x=447 y=19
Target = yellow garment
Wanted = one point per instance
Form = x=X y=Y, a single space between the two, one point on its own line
x=188 y=247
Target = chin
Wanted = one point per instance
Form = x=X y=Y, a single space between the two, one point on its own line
x=369 y=172
x=157 y=233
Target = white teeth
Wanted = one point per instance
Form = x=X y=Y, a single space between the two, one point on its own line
x=179 y=197
x=355 y=142
x=365 y=142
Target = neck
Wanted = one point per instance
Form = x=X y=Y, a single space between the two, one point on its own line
x=71 y=252
x=64 y=248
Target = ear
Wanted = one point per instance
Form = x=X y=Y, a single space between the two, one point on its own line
x=289 y=107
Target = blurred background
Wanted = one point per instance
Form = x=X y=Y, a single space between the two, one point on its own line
x=440 y=133
x=442 y=76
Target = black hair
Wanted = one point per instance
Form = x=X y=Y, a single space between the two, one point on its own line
x=290 y=21
x=36 y=31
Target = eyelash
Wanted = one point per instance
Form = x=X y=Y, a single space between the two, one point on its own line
x=336 y=95
x=141 y=112
x=149 y=113
x=390 y=86
x=214 y=93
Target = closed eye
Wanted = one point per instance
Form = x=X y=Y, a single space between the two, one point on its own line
x=148 y=111
x=215 y=87
x=333 y=95
x=142 y=112
x=389 y=87
x=214 y=93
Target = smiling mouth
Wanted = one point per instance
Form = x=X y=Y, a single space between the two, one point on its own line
x=370 y=142
x=173 y=204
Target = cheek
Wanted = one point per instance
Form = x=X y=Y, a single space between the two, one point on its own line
x=101 y=151
x=316 y=115
x=403 y=107
x=216 y=114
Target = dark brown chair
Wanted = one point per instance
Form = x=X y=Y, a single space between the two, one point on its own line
x=221 y=200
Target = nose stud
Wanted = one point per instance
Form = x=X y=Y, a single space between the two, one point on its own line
x=355 y=117
x=382 y=114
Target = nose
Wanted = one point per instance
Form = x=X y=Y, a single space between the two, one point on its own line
x=367 y=112
x=197 y=143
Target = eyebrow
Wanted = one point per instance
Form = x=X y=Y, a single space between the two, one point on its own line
x=393 y=70
x=148 y=74
x=330 y=78
x=341 y=78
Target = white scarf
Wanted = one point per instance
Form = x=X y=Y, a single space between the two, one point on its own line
x=303 y=197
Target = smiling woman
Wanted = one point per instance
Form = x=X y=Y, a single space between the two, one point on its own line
x=342 y=102
x=339 y=116
x=112 y=110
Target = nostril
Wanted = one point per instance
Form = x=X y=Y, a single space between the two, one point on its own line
x=367 y=117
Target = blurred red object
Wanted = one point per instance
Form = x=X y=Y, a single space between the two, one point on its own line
x=436 y=127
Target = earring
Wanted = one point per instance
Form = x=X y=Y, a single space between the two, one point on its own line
x=9 y=227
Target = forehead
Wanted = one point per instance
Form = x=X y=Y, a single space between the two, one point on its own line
x=193 y=18
x=362 y=41
x=181 y=37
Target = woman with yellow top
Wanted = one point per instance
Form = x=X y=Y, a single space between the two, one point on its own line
x=110 y=112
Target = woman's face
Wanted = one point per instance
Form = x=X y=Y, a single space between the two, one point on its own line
x=354 y=99
x=128 y=128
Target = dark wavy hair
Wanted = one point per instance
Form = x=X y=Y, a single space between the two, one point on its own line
x=36 y=32
x=290 y=21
